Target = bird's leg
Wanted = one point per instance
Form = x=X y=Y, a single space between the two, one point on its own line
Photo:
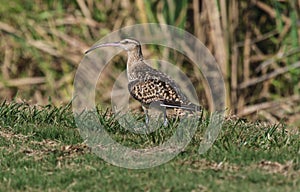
x=146 y=115
x=165 y=117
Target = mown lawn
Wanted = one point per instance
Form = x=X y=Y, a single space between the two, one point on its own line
x=41 y=150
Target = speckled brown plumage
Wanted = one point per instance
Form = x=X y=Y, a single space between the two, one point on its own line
x=148 y=85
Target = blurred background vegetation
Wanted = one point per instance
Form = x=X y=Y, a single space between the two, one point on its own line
x=256 y=43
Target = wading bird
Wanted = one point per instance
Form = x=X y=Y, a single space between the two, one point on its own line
x=148 y=85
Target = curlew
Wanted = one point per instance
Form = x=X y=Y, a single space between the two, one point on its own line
x=148 y=85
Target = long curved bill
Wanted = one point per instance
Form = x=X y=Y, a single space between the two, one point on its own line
x=114 y=44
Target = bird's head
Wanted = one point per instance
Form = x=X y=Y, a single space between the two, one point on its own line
x=129 y=44
x=126 y=44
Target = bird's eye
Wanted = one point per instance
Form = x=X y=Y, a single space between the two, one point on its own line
x=125 y=42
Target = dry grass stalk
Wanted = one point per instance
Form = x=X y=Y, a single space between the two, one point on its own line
x=276 y=72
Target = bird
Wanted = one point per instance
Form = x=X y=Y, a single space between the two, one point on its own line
x=148 y=85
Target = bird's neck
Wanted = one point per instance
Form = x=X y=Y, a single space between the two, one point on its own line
x=135 y=58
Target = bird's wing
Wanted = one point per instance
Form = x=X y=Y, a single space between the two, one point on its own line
x=155 y=90
x=152 y=90
x=152 y=85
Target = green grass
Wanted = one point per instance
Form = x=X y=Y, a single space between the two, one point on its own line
x=41 y=150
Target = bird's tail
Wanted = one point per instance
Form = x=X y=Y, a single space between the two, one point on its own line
x=188 y=107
